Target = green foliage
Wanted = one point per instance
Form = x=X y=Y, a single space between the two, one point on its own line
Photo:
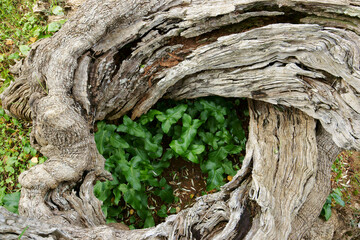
x=337 y=168
x=339 y=194
x=170 y=117
x=24 y=49
x=162 y=212
x=19 y=28
x=11 y=201
x=334 y=198
x=57 y=10
x=206 y=131
x=17 y=155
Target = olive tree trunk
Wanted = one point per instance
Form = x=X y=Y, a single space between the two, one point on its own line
x=296 y=61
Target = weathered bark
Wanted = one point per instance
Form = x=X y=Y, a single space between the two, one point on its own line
x=114 y=57
x=278 y=175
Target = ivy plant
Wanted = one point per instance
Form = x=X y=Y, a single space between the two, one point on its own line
x=205 y=131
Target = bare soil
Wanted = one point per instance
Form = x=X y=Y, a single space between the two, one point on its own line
x=348 y=180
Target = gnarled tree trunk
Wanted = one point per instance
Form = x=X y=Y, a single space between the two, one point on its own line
x=298 y=62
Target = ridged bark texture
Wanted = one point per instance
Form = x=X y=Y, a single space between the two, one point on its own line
x=297 y=60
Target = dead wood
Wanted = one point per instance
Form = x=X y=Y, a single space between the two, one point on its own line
x=297 y=60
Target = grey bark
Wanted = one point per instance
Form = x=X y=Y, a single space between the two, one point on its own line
x=118 y=57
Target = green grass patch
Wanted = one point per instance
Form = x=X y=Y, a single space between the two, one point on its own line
x=19 y=28
x=16 y=154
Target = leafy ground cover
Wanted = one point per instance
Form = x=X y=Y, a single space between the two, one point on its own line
x=20 y=26
x=208 y=133
x=17 y=155
x=345 y=183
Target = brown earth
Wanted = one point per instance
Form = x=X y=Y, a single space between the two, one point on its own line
x=346 y=177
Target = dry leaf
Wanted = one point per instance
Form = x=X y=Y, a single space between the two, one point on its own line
x=9 y=42
x=33 y=39
x=34 y=160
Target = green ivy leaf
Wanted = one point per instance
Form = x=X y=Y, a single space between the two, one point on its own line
x=102 y=136
x=117 y=141
x=62 y=21
x=24 y=49
x=162 y=182
x=177 y=130
x=11 y=161
x=337 y=191
x=102 y=191
x=327 y=211
x=233 y=149
x=169 y=154
x=246 y=113
x=159 y=166
x=212 y=125
x=138 y=151
x=132 y=128
x=210 y=139
x=132 y=172
x=153 y=144
x=171 y=116
x=119 y=155
x=224 y=151
x=53 y=27
x=137 y=200
x=214 y=110
x=14 y=56
x=194 y=108
x=11 y=202
x=154 y=182
x=219 y=154
x=337 y=199
x=149 y=117
x=57 y=10
x=166 y=194
x=117 y=194
x=210 y=164
x=123 y=188
x=192 y=153
x=228 y=168
x=9 y=169
x=2 y=194
x=235 y=127
x=224 y=136
x=112 y=212
x=215 y=179
x=149 y=222
x=162 y=212
x=104 y=209
x=189 y=131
